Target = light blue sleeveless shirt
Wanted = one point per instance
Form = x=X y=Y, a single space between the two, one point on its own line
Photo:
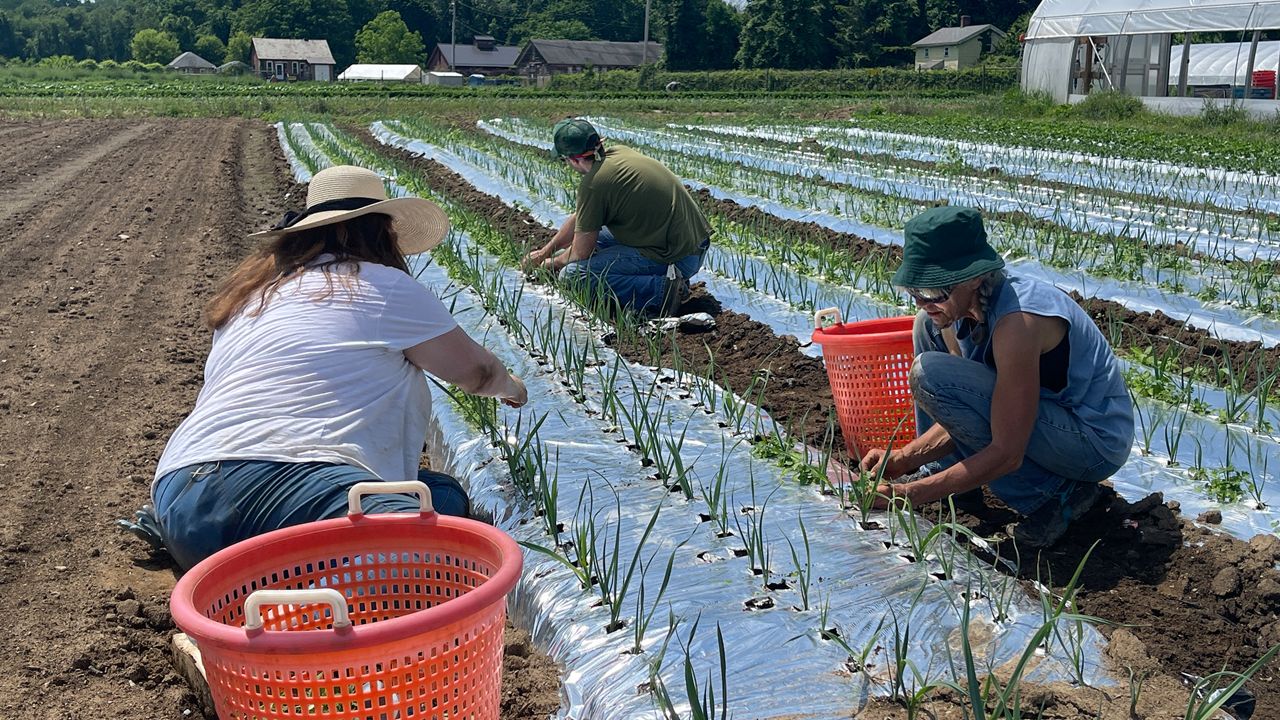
x=1095 y=391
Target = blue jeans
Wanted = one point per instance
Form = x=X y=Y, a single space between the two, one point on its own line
x=637 y=281
x=956 y=393
x=206 y=507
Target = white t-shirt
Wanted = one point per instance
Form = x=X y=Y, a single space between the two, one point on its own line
x=310 y=380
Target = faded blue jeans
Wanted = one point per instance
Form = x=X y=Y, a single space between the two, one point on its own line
x=206 y=507
x=634 y=279
x=956 y=393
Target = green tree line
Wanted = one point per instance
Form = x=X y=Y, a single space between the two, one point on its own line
x=698 y=34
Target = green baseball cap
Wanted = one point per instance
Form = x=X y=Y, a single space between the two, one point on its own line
x=945 y=246
x=574 y=136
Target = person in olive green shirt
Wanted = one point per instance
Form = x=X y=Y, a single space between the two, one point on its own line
x=636 y=229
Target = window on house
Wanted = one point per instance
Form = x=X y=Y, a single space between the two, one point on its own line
x=295 y=67
x=926 y=52
x=946 y=52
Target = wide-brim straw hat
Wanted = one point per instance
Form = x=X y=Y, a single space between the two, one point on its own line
x=345 y=192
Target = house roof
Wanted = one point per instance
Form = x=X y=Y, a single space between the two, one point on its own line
x=501 y=56
x=233 y=66
x=381 y=72
x=955 y=35
x=315 y=52
x=190 y=60
x=594 y=52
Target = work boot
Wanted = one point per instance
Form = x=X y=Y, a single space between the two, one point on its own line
x=675 y=292
x=1046 y=525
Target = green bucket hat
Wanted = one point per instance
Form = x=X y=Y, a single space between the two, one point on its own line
x=574 y=136
x=945 y=246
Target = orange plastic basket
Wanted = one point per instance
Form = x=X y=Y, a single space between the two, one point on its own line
x=867 y=365
x=369 y=617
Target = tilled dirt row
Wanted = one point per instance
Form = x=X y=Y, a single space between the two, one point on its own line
x=120 y=232
x=121 y=229
x=1193 y=601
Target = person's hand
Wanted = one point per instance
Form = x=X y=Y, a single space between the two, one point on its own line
x=555 y=263
x=874 y=459
x=535 y=258
x=516 y=394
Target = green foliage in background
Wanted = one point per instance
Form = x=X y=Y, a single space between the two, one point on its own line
x=386 y=39
x=150 y=46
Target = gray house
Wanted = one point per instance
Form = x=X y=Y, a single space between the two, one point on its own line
x=540 y=59
x=955 y=48
x=484 y=56
x=192 y=64
x=288 y=59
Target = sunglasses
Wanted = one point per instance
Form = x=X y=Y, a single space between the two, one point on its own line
x=929 y=296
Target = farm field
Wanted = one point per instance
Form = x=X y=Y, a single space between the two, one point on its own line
x=684 y=548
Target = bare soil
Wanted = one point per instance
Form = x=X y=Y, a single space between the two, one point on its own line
x=1183 y=598
x=117 y=233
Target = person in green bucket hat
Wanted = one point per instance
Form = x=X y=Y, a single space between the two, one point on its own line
x=1015 y=387
x=636 y=232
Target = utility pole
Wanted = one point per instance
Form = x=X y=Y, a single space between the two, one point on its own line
x=644 y=44
x=453 y=34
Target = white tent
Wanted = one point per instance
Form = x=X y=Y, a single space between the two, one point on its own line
x=1073 y=18
x=1225 y=63
x=383 y=73
x=1077 y=46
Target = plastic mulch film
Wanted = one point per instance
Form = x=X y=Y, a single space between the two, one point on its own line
x=777 y=665
x=1165 y=433
x=767 y=307
x=1217 y=318
x=1078 y=209
x=1222 y=187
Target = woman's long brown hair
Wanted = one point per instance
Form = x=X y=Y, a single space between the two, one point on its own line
x=368 y=238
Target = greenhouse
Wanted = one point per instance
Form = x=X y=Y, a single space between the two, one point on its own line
x=1147 y=48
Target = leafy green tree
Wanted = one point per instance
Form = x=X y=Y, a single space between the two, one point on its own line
x=864 y=28
x=545 y=28
x=685 y=22
x=386 y=39
x=181 y=29
x=211 y=48
x=421 y=17
x=782 y=34
x=721 y=39
x=239 y=47
x=151 y=45
x=1010 y=46
x=9 y=46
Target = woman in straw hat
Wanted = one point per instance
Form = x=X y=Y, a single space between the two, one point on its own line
x=314 y=381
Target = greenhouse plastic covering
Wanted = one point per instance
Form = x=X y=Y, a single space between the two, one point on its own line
x=1225 y=63
x=777 y=666
x=1074 y=18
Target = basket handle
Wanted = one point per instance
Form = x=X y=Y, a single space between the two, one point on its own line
x=378 y=487
x=313 y=596
x=826 y=317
